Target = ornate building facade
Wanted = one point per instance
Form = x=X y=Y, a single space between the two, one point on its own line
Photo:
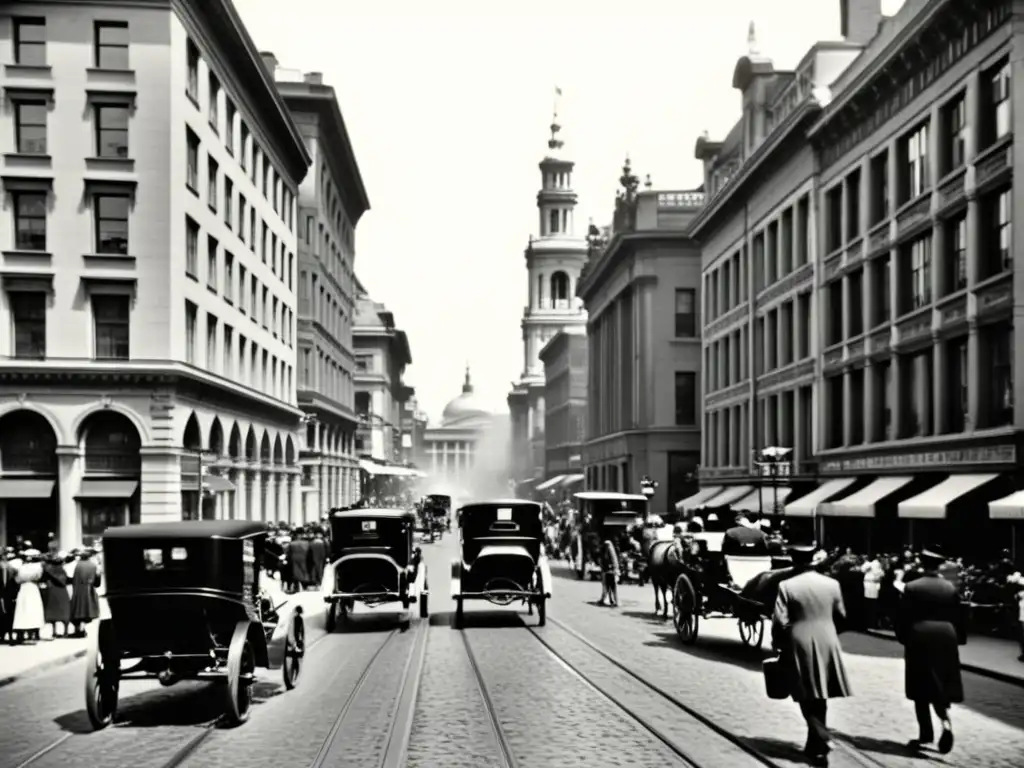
x=554 y=261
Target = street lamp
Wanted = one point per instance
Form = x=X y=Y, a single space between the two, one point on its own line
x=773 y=461
x=647 y=488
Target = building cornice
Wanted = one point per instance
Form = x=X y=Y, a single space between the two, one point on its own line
x=624 y=244
x=313 y=402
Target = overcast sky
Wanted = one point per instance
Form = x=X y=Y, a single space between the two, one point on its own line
x=448 y=104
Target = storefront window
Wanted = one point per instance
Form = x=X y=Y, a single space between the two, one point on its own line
x=100 y=515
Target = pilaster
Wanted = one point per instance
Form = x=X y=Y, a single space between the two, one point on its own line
x=259 y=493
x=160 y=493
x=69 y=479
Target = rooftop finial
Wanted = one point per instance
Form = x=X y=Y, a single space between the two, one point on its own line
x=752 y=40
x=554 y=143
x=467 y=387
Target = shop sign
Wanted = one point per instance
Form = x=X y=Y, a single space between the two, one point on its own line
x=996 y=454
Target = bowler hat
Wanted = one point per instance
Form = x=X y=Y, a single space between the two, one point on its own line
x=801 y=553
x=932 y=557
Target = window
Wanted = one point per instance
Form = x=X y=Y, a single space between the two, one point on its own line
x=834 y=220
x=229 y=352
x=30 y=127
x=191 y=248
x=30 y=42
x=111 y=131
x=879 y=187
x=243 y=148
x=252 y=228
x=686 y=312
x=190 y=332
x=229 y=126
x=1001 y=253
x=552 y=222
x=998 y=348
x=957 y=384
x=229 y=277
x=686 y=398
x=263 y=306
x=29 y=221
x=852 y=205
x=28 y=315
x=212 y=171
x=214 y=107
x=241 y=218
x=920 y=273
x=229 y=196
x=211 y=342
x=242 y=283
x=192 y=161
x=111 y=212
x=955 y=122
x=881 y=280
x=211 y=263
x=111 y=327
x=253 y=298
x=956 y=258
x=998 y=85
x=915 y=163
x=192 y=73
x=111 y=45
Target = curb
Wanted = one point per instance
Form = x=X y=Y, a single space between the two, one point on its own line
x=1003 y=677
x=46 y=666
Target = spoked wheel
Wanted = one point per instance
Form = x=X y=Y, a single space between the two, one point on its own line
x=294 y=651
x=459 y=616
x=684 y=610
x=102 y=677
x=331 y=620
x=751 y=631
x=241 y=676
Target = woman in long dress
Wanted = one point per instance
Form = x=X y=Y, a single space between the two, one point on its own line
x=85 y=600
x=56 y=600
x=28 y=614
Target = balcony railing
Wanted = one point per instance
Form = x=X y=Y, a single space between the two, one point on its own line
x=113 y=463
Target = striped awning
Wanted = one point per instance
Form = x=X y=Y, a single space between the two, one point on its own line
x=550 y=483
x=694 y=502
x=764 y=500
x=1008 y=508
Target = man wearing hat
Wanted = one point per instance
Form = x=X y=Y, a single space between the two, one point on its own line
x=928 y=622
x=808 y=607
x=744 y=539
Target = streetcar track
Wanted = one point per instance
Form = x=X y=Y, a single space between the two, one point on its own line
x=507 y=756
x=400 y=729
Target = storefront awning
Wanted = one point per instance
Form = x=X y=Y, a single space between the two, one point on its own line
x=26 y=488
x=694 y=502
x=1008 y=508
x=727 y=497
x=216 y=484
x=765 y=500
x=808 y=505
x=107 y=489
x=551 y=483
x=862 y=502
x=931 y=504
x=571 y=480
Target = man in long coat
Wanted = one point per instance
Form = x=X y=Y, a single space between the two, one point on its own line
x=8 y=593
x=298 y=560
x=929 y=619
x=807 y=610
x=744 y=539
x=317 y=558
x=85 y=600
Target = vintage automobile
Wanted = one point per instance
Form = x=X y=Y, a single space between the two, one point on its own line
x=437 y=515
x=188 y=602
x=373 y=562
x=502 y=556
x=603 y=515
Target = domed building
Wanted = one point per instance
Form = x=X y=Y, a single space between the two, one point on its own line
x=450 y=450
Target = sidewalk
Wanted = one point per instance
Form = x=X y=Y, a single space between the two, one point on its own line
x=993 y=657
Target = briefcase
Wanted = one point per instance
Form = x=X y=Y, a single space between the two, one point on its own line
x=774 y=679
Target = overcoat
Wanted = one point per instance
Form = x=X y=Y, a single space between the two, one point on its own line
x=807 y=610
x=929 y=614
x=85 y=601
x=56 y=602
x=317 y=559
x=298 y=560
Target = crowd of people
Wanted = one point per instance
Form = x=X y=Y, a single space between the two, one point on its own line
x=301 y=554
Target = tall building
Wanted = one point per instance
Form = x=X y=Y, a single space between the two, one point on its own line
x=147 y=317
x=554 y=260
x=565 y=411
x=641 y=289
x=332 y=200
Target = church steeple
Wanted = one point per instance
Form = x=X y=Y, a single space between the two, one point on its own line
x=556 y=200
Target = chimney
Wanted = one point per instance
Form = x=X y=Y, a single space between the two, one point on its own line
x=314 y=78
x=270 y=62
x=859 y=20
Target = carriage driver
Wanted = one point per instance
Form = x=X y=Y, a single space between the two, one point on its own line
x=744 y=538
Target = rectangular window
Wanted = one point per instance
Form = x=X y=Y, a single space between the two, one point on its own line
x=229 y=352
x=211 y=342
x=192 y=161
x=852 y=205
x=229 y=198
x=212 y=273
x=30 y=127
x=192 y=72
x=30 y=42
x=254 y=306
x=914 y=149
x=881 y=280
x=190 y=332
x=252 y=228
x=999 y=116
x=229 y=277
x=956 y=258
x=920 y=273
x=955 y=123
x=686 y=398
x=111 y=219
x=834 y=219
x=111 y=43
x=212 y=172
x=879 y=188
x=264 y=315
x=229 y=126
x=243 y=148
x=998 y=349
x=111 y=131
x=686 y=313
x=28 y=316
x=29 y=221
x=241 y=218
x=242 y=286
x=191 y=248
x=111 y=326
x=214 y=105
x=1002 y=241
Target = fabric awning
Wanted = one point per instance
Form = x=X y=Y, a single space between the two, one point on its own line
x=1008 y=508
x=931 y=504
x=107 y=489
x=695 y=501
x=571 y=480
x=727 y=497
x=550 y=483
x=216 y=484
x=26 y=488
x=763 y=500
x=862 y=502
x=391 y=470
x=808 y=505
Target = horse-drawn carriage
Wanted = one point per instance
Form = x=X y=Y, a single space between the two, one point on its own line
x=188 y=601
x=604 y=515
x=373 y=562
x=437 y=510
x=502 y=556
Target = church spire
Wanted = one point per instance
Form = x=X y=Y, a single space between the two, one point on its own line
x=556 y=200
x=467 y=387
x=752 y=40
x=555 y=144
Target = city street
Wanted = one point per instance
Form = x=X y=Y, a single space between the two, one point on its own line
x=376 y=696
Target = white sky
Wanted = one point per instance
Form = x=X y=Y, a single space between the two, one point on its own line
x=448 y=104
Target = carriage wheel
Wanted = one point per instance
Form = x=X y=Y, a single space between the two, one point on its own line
x=459 y=616
x=102 y=677
x=331 y=620
x=684 y=610
x=240 y=675
x=751 y=631
x=294 y=651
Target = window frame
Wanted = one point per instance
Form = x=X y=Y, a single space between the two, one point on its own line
x=111 y=325
x=19 y=218
x=99 y=218
x=99 y=131
x=99 y=46
x=20 y=45
x=33 y=322
x=21 y=124
x=680 y=317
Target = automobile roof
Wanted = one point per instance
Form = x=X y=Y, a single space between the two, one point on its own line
x=609 y=496
x=501 y=503
x=188 y=529
x=355 y=514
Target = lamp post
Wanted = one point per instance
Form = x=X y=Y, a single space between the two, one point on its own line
x=773 y=460
x=647 y=488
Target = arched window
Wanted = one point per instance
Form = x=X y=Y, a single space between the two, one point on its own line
x=560 y=290
x=553 y=222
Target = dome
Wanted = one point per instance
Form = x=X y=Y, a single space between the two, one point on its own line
x=465 y=405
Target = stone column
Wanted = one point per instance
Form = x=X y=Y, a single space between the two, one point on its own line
x=295 y=516
x=160 y=494
x=258 y=511
x=69 y=478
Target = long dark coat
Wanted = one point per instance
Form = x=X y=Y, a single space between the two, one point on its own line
x=807 y=610
x=56 y=601
x=85 y=601
x=317 y=560
x=929 y=615
x=8 y=595
x=298 y=560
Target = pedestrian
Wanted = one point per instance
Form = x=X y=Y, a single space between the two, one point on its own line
x=805 y=633
x=298 y=560
x=1016 y=582
x=873 y=573
x=317 y=558
x=609 y=574
x=85 y=600
x=28 y=614
x=8 y=594
x=56 y=602
x=929 y=619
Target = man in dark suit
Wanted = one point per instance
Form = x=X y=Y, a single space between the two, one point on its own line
x=744 y=539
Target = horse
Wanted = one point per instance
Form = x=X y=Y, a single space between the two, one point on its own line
x=656 y=544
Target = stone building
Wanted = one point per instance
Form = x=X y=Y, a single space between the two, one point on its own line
x=565 y=410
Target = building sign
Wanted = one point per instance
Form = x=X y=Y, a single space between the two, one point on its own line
x=774 y=468
x=996 y=454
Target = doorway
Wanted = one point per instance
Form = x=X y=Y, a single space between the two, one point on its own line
x=30 y=520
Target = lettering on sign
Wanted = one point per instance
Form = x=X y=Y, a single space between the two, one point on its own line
x=998 y=454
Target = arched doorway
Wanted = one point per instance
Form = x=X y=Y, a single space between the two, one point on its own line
x=191 y=469
x=109 y=494
x=28 y=479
